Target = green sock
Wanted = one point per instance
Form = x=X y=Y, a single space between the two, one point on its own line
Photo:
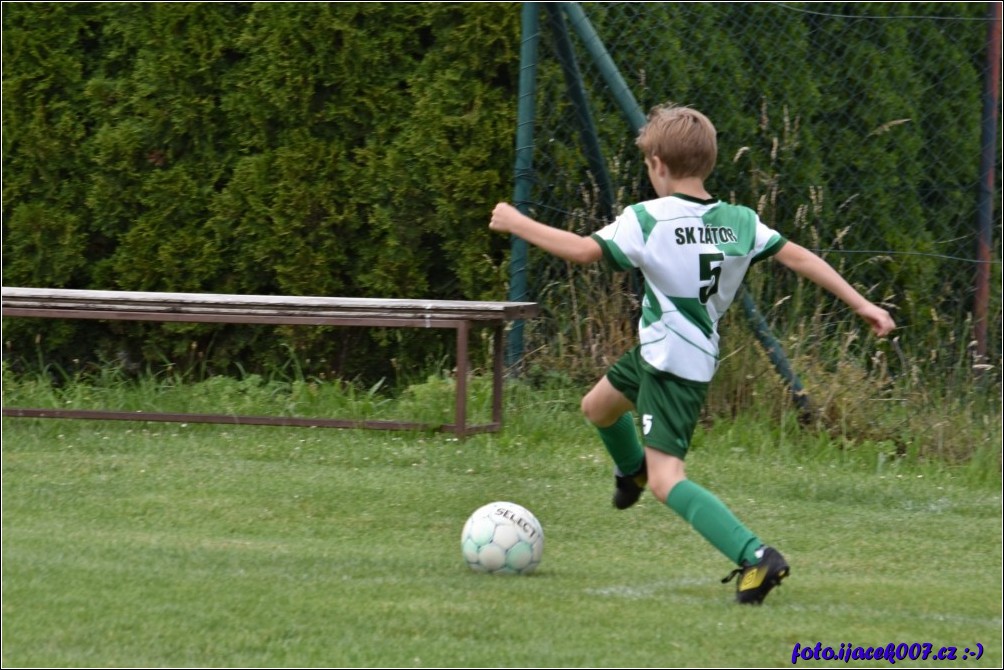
x=712 y=519
x=621 y=441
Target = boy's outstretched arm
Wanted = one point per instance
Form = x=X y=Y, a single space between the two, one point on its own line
x=561 y=243
x=814 y=268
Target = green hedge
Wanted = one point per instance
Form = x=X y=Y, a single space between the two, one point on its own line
x=357 y=149
x=297 y=149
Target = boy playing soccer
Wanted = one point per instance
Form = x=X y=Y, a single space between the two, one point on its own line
x=693 y=252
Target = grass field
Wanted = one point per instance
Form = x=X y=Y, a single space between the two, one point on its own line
x=141 y=544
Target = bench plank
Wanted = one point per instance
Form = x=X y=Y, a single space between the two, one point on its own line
x=267 y=309
x=23 y=299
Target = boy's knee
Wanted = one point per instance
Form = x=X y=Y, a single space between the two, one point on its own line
x=661 y=488
x=663 y=476
x=596 y=414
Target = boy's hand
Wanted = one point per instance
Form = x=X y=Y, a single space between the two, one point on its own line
x=881 y=323
x=561 y=243
x=502 y=217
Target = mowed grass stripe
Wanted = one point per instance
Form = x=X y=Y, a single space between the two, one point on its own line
x=255 y=546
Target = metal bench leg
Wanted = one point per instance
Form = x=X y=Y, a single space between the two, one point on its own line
x=498 y=372
x=460 y=422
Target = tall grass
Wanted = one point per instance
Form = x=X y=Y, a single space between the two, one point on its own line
x=924 y=392
x=859 y=388
x=282 y=393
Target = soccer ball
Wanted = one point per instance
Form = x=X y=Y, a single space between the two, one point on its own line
x=502 y=538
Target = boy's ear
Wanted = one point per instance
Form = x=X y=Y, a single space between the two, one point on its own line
x=658 y=167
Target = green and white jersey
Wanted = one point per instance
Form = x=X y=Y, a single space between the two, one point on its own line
x=693 y=254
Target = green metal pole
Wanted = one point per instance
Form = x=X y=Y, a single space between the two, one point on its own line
x=776 y=354
x=611 y=75
x=587 y=127
x=522 y=191
x=988 y=169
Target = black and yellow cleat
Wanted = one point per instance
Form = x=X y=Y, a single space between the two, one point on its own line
x=756 y=580
x=628 y=488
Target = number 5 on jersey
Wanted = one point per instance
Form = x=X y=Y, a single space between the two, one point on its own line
x=711 y=271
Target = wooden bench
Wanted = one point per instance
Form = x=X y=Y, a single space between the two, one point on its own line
x=264 y=309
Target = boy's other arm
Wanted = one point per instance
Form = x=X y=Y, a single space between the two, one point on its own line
x=814 y=268
x=561 y=243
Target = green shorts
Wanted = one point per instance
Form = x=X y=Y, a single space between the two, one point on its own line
x=668 y=405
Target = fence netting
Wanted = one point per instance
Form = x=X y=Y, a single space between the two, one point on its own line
x=858 y=130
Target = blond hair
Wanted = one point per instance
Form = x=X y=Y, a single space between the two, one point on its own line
x=684 y=140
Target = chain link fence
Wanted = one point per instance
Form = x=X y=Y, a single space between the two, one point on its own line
x=866 y=132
